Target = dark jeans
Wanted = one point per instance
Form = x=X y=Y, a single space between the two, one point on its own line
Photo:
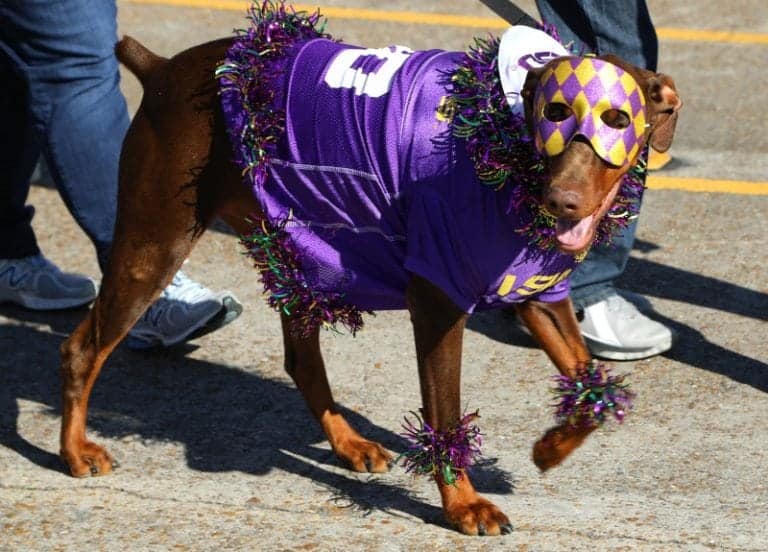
x=60 y=98
x=624 y=28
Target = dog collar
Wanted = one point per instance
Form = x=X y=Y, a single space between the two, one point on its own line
x=587 y=88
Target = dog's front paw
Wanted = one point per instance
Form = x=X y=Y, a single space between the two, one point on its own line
x=469 y=512
x=479 y=517
x=88 y=459
x=363 y=455
x=557 y=443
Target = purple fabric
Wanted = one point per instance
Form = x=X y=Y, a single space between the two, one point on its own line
x=373 y=186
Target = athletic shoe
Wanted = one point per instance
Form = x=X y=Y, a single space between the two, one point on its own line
x=185 y=310
x=615 y=329
x=36 y=283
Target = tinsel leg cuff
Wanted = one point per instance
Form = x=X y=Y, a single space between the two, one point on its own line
x=441 y=453
x=591 y=396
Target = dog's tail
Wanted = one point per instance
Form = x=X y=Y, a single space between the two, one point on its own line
x=141 y=61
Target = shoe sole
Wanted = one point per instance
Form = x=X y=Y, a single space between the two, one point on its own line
x=230 y=310
x=606 y=352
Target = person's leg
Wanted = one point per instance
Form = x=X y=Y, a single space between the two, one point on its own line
x=625 y=29
x=18 y=154
x=78 y=112
x=79 y=116
x=621 y=27
x=27 y=278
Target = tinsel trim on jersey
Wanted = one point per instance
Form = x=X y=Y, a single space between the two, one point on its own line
x=254 y=62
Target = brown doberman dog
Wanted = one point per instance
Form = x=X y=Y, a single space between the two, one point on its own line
x=178 y=135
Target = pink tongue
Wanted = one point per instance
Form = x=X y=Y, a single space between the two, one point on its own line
x=572 y=234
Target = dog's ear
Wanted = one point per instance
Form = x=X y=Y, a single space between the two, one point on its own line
x=664 y=107
x=663 y=101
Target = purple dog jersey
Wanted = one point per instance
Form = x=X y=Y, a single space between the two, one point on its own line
x=373 y=186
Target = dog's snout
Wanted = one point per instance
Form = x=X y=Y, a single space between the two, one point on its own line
x=562 y=203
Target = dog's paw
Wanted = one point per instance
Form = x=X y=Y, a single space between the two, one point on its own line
x=557 y=443
x=480 y=517
x=362 y=455
x=89 y=459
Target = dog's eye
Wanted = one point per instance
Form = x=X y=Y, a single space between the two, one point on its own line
x=615 y=119
x=556 y=112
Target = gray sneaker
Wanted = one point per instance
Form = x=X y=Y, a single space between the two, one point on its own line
x=183 y=311
x=36 y=283
x=615 y=329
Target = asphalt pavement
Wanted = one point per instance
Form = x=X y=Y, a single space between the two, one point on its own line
x=218 y=451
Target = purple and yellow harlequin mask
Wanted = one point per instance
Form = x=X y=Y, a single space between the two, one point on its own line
x=590 y=87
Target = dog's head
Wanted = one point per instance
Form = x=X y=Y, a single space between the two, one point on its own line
x=591 y=118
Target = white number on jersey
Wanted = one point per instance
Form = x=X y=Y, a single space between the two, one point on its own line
x=369 y=72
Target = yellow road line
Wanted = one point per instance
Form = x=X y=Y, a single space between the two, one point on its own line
x=692 y=35
x=657 y=182
x=452 y=20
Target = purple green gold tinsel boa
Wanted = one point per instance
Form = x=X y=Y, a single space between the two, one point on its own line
x=501 y=147
x=275 y=256
x=446 y=454
x=251 y=65
x=588 y=399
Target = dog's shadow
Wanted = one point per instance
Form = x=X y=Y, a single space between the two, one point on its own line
x=226 y=418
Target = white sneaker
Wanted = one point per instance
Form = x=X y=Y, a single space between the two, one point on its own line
x=614 y=329
x=184 y=310
x=36 y=283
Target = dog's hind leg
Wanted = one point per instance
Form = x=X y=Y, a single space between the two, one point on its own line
x=156 y=228
x=304 y=363
x=174 y=172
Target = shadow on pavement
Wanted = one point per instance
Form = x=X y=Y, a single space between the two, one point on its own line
x=226 y=418
x=651 y=278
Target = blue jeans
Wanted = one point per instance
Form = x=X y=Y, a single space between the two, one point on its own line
x=60 y=99
x=624 y=28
